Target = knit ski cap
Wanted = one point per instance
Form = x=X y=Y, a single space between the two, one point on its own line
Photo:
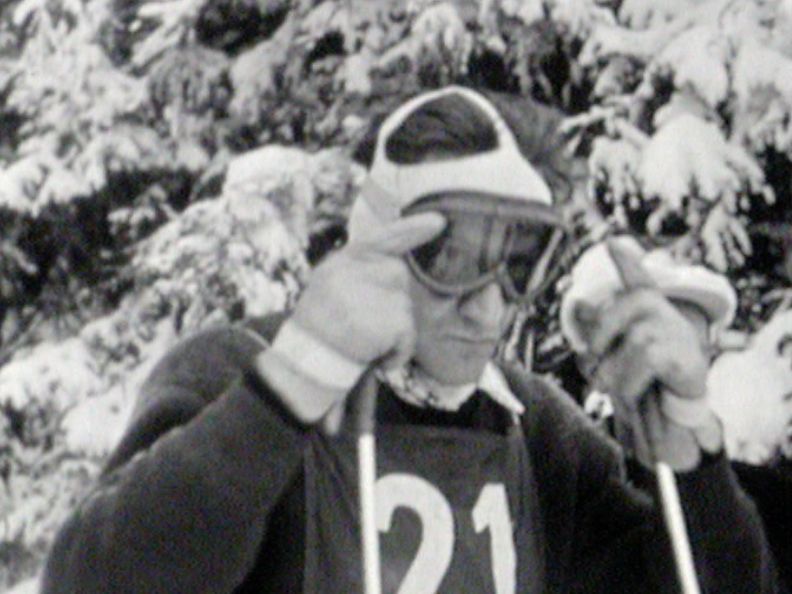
x=389 y=187
x=595 y=280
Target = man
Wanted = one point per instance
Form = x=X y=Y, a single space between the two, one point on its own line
x=488 y=480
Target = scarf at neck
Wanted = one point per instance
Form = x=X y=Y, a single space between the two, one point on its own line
x=415 y=387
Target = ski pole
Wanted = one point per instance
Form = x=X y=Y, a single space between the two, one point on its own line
x=675 y=523
x=367 y=477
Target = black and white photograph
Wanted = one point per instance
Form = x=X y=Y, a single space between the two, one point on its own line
x=396 y=297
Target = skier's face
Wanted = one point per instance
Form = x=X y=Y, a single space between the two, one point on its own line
x=457 y=336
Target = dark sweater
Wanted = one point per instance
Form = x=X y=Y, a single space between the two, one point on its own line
x=205 y=492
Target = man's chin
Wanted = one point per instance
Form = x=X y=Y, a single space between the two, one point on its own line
x=455 y=362
x=466 y=372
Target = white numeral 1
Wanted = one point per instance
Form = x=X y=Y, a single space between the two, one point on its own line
x=492 y=512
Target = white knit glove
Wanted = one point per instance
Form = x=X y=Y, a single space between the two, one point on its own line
x=649 y=358
x=355 y=311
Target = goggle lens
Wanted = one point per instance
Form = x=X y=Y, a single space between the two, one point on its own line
x=476 y=248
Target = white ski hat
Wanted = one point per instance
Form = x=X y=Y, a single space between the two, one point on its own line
x=389 y=187
x=595 y=280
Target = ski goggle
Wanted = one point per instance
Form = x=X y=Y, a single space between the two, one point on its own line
x=512 y=242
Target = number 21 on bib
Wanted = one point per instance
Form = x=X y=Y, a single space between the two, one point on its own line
x=445 y=546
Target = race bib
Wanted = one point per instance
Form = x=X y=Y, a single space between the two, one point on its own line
x=454 y=508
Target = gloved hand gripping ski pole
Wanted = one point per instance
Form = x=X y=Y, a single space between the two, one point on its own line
x=634 y=277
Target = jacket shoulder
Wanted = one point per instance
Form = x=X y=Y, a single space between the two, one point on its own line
x=554 y=422
x=207 y=361
x=192 y=374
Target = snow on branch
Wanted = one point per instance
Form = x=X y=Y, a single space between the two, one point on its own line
x=527 y=11
x=725 y=239
x=750 y=391
x=437 y=32
x=648 y=14
x=174 y=20
x=20 y=183
x=763 y=96
x=689 y=152
x=613 y=163
x=696 y=60
x=579 y=19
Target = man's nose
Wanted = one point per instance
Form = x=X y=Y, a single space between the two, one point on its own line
x=486 y=307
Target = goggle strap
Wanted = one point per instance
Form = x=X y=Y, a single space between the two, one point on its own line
x=539 y=273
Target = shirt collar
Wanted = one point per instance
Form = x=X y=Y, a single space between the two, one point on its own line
x=418 y=389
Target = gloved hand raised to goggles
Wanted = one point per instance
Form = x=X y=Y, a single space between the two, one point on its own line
x=355 y=310
x=640 y=349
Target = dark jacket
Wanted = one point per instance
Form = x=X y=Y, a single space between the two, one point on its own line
x=770 y=486
x=205 y=492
